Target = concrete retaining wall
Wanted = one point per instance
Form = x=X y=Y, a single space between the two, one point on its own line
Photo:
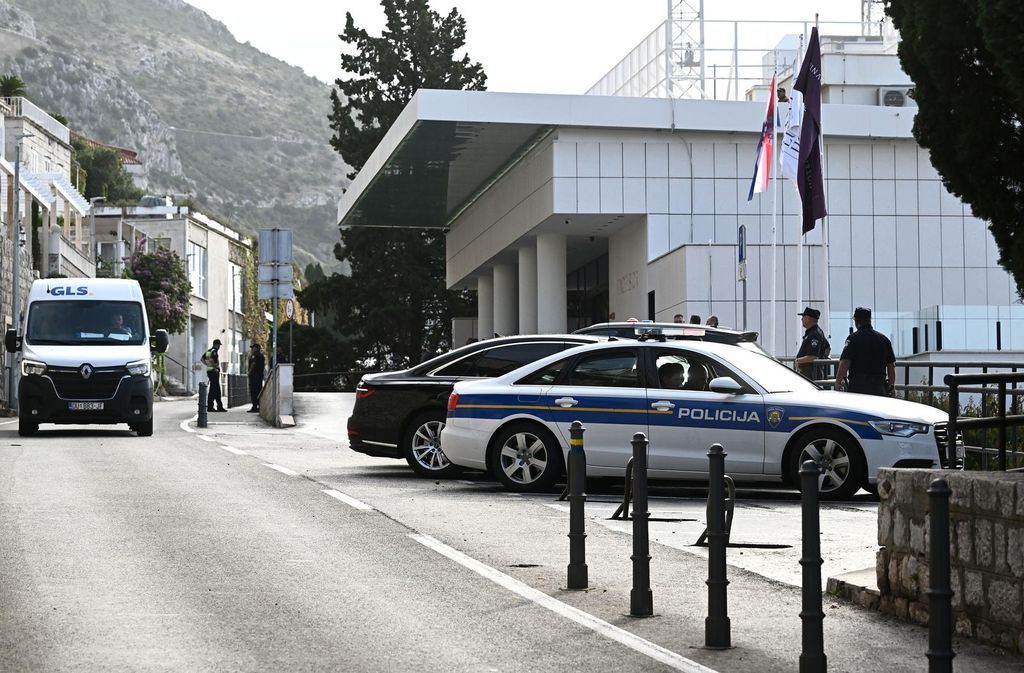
x=986 y=548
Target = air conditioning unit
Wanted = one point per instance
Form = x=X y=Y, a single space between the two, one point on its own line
x=894 y=97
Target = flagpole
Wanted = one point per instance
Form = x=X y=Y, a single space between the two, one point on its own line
x=775 y=203
x=800 y=238
x=826 y=303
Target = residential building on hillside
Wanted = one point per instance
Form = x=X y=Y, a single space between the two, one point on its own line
x=215 y=256
x=562 y=211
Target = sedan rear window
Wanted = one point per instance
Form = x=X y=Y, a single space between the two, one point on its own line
x=501 y=359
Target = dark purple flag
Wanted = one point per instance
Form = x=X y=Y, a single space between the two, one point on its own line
x=811 y=182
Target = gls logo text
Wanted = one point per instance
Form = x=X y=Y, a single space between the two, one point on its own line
x=67 y=290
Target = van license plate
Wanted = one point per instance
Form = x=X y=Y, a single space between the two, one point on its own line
x=85 y=406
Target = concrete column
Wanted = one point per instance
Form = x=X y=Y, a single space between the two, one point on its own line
x=505 y=304
x=527 y=290
x=552 y=308
x=485 y=306
x=44 y=239
x=67 y=220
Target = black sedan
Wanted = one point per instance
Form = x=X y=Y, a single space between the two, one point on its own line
x=401 y=414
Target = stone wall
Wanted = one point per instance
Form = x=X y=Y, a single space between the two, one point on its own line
x=27 y=276
x=986 y=550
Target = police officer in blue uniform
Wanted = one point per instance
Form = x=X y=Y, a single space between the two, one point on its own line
x=868 y=358
x=813 y=347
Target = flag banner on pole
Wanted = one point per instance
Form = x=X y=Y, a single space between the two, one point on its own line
x=810 y=178
x=789 y=153
x=763 y=159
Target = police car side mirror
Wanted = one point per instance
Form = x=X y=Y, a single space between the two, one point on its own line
x=159 y=341
x=724 y=384
x=12 y=341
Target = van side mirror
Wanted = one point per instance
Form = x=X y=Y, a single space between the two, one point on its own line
x=159 y=341
x=725 y=384
x=12 y=341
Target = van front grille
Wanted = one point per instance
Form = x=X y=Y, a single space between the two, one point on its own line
x=101 y=385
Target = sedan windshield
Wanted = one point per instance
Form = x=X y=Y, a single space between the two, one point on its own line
x=769 y=373
x=74 y=323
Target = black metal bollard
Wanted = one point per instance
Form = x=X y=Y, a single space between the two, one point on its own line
x=577 y=570
x=201 y=419
x=716 y=625
x=641 y=602
x=812 y=654
x=940 y=594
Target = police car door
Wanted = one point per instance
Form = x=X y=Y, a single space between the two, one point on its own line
x=685 y=421
x=603 y=389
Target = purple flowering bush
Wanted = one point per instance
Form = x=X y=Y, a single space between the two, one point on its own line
x=165 y=288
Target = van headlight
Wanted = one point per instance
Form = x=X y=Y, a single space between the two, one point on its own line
x=900 y=428
x=32 y=368
x=140 y=368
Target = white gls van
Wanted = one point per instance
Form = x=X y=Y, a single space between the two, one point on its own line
x=85 y=355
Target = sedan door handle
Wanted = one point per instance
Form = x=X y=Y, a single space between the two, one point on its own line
x=566 y=402
x=662 y=405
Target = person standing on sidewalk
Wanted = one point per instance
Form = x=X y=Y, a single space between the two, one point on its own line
x=869 y=358
x=813 y=347
x=257 y=364
x=212 y=361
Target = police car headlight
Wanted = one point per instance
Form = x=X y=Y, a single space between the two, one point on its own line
x=900 y=428
x=140 y=368
x=32 y=368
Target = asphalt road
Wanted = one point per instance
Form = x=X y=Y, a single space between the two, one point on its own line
x=219 y=549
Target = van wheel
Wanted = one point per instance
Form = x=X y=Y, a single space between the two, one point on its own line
x=27 y=428
x=144 y=429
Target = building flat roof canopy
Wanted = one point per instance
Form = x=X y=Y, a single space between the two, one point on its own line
x=447 y=146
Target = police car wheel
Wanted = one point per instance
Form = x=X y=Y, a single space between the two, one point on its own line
x=421 y=447
x=837 y=455
x=526 y=457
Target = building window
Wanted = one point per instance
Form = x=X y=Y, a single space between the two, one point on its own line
x=197 y=268
x=153 y=244
x=235 y=283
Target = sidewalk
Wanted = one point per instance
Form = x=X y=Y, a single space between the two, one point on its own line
x=525 y=537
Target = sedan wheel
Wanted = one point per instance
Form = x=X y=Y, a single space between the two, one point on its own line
x=527 y=458
x=839 y=460
x=423 y=447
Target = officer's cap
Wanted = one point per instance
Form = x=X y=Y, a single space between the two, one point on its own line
x=811 y=313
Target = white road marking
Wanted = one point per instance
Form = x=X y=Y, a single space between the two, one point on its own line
x=206 y=438
x=281 y=469
x=184 y=424
x=8 y=422
x=585 y=619
x=348 y=500
x=231 y=449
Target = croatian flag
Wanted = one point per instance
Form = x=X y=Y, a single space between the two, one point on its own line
x=763 y=160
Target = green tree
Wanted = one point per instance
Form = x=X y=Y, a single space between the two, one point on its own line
x=966 y=59
x=106 y=175
x=165 y=288
x=12 y=85
x=394 y=304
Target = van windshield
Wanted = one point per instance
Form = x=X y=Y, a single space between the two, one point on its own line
x=75 y=323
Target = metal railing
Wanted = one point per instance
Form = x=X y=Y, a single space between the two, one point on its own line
x=972 y=397
x=23 y=107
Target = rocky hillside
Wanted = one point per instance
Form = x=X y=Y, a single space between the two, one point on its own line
x=243 y=133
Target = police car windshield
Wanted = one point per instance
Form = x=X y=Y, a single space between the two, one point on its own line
x=76 y=323
x=769 y=373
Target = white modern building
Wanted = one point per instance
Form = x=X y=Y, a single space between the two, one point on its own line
x=563 y=211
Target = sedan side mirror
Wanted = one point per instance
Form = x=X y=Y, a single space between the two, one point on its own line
x=725 y=384
x=159 y=341
x=12 y=341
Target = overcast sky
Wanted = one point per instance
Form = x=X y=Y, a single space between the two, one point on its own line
x=538 y=46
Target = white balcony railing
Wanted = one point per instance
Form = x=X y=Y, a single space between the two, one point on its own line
x=23 y=107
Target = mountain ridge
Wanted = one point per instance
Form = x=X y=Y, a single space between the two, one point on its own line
x=243 y=133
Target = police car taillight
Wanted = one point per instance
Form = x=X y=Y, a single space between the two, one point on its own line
x=453 y=401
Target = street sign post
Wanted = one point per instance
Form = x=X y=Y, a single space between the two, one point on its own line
x=289 y=312
x=275 y=272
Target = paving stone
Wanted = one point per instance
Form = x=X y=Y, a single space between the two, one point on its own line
x=1004 y=601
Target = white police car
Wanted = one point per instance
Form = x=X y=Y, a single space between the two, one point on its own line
x=685 y=396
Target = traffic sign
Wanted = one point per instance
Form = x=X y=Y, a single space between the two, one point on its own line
x=289 y=309
x=742 y=247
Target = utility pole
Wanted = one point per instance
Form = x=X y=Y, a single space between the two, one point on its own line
x=12 y=396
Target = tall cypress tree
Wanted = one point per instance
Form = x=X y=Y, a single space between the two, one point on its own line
x=966 y=58
x=393 y=306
